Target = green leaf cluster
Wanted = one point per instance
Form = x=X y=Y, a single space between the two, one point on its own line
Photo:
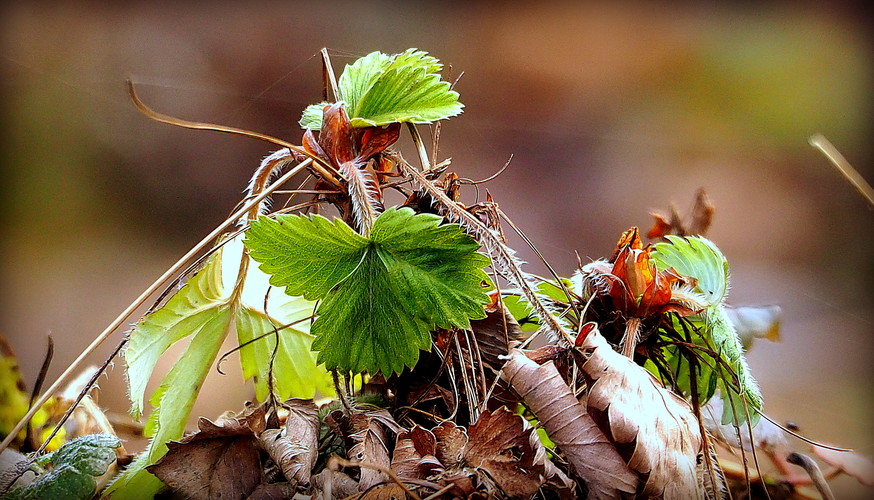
x=379 y=89
x=69 y=472
x=380 y=296
x=204 y=310
x=700 y=258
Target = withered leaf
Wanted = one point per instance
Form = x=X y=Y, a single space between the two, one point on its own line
x=657 y=429
x=569 y=426
x=451 y=440
x=414 y=454
x=495 y=333
x=555 y=479
x=273 y=491
x=333 y=484
x=222 y=459
x=369 y=435
x=296 y=449
x=499 y=443
x=696 y=222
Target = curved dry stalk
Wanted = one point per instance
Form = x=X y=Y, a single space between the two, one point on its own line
x=142 y=298
x=320 y=166
x=814 y=472
x=330 y=80
x=420 y=147
x=848 y=171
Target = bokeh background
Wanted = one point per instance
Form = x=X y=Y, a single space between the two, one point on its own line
x=610 y=110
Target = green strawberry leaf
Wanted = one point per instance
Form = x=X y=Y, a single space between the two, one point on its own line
x=379 y=89
x=381 y=296
x=699 y=258
x=357 y=78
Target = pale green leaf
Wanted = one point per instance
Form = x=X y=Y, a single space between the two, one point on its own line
x=416 y=59
x=379 y=89
x=177 y=392
x=358 y=78
x=699 y=258
x=380 y=296
x=311 y=119
x=295 y=371
x=406 y=94
x=286 y=318
x=195 y=305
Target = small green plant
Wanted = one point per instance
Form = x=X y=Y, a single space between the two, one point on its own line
x=424 y=310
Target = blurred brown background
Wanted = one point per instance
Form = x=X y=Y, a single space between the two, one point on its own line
x=610 y=110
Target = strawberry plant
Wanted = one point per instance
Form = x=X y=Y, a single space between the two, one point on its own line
x=390 y=347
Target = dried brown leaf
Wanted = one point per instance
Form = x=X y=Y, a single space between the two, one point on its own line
x=369 y=435
x=499 y=443
x=296 y=448
x=414 y=454
x=696 y=222
x=584 y=445
x=555 y=479
x=222 y=459
x=657 y=429
x=451 y=440
x=273 y=491
x=500 y=449
x=495 y=333
x=333 y=484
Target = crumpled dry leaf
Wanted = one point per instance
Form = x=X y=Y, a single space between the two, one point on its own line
x=499 y=443
x=222 y=459
x=851 y=463
x=451 y=440
x=296 y=449
x=333 y=484
x=653 y=428
x=370 y=437
x=569 y=426
x=414 y=454
x=495 y=333
x=696 y=222
x=273 y=491
x=555 y=479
